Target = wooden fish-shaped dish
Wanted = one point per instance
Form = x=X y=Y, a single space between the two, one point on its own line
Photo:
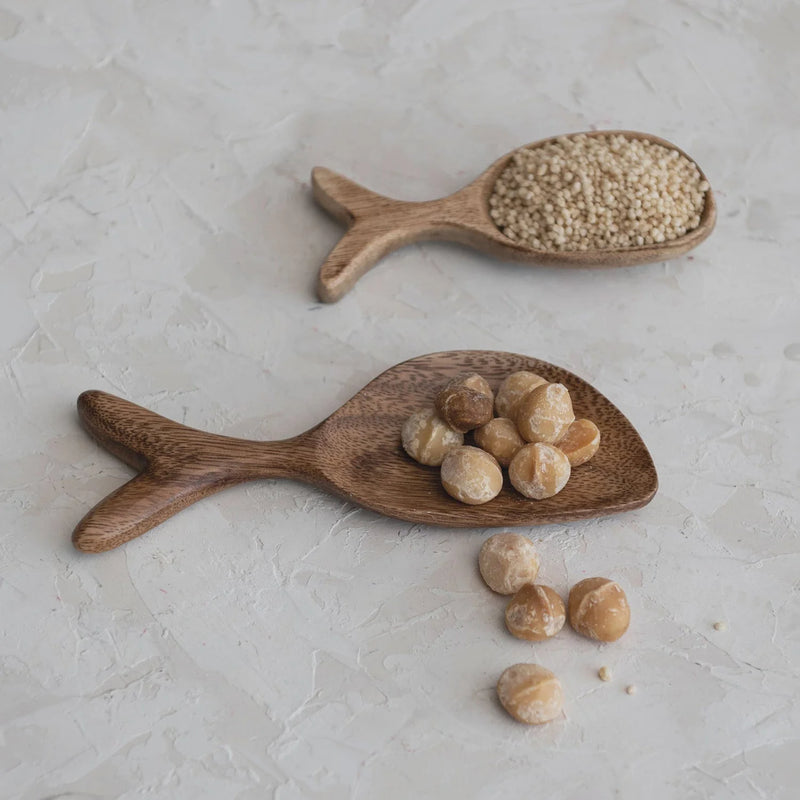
x=355 y=453
x=377 y=225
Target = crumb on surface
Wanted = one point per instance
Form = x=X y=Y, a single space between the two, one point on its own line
x=604 y=673
x=630 y=689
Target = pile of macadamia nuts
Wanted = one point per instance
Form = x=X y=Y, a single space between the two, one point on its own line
x=597 y=608
x=528 y=428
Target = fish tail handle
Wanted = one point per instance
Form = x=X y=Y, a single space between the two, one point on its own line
x=171 y=476
x=177 y=466
x=344 y=199
x=377 y=225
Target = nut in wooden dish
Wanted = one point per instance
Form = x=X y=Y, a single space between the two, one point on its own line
x=539 y=471
x=545 y=413
x=466 y=402
x=500 y=438
x=512 y=389
x=471 y=475
x=427 y=438
x=540 y=414
x=580 y=442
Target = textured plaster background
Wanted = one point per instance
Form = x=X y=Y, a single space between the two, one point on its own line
x=158 y=240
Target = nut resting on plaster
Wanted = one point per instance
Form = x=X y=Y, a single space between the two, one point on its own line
x=530 y=693
x=535 y=613
x=507 y=562
x=598 y=609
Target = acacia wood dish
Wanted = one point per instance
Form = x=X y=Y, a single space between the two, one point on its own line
x=355 y=453
x=377 y=225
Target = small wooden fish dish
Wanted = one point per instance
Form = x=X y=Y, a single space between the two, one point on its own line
x=377 y=225
x=356 y=454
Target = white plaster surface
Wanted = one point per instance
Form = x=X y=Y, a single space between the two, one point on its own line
x=158 y=240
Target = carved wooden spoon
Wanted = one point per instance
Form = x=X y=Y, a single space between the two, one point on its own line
x=377 y=225
x=355 y=453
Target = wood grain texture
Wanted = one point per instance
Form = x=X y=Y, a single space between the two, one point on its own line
x=355 y=453
x=178 y=466
x=378 y=225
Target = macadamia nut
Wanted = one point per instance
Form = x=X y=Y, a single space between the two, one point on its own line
x=477 y=382
x=466 y=402
x=535 y=613
x=598 y=608
x=545 y=413
x=530 y=693
x=500 y=438
x=580 y=442
x=471 y=475
x=427 y=438
x=513 y=388
x=507 y=562
x=539 y=471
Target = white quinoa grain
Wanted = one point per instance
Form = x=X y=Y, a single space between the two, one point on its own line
x=597 y=192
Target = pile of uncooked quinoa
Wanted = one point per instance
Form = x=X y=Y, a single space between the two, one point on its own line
x=597 y=192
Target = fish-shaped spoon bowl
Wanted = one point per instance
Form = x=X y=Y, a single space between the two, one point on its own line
x=377 y=225
x=355 y=453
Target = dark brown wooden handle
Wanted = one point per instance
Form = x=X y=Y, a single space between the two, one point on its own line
x=135 y=508
x=178 y=466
